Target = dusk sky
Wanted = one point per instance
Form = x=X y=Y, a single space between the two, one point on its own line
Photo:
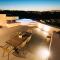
x=35 y=5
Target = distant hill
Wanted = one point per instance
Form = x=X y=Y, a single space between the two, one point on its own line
x=48 y=17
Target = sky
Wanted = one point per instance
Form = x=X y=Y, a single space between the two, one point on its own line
x=35 y=5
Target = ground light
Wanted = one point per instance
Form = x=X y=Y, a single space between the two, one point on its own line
x=43 y=53
x=44 y=27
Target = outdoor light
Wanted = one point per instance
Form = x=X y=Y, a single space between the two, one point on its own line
x=45 y=33
x=43 y=53
x=46 y=28
x=20 y=36
x=40 y=25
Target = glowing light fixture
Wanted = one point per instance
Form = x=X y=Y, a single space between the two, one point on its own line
x=20 y=36
x=40 y=25
x=46 y=28
x=45 y=33
x=43 y=53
